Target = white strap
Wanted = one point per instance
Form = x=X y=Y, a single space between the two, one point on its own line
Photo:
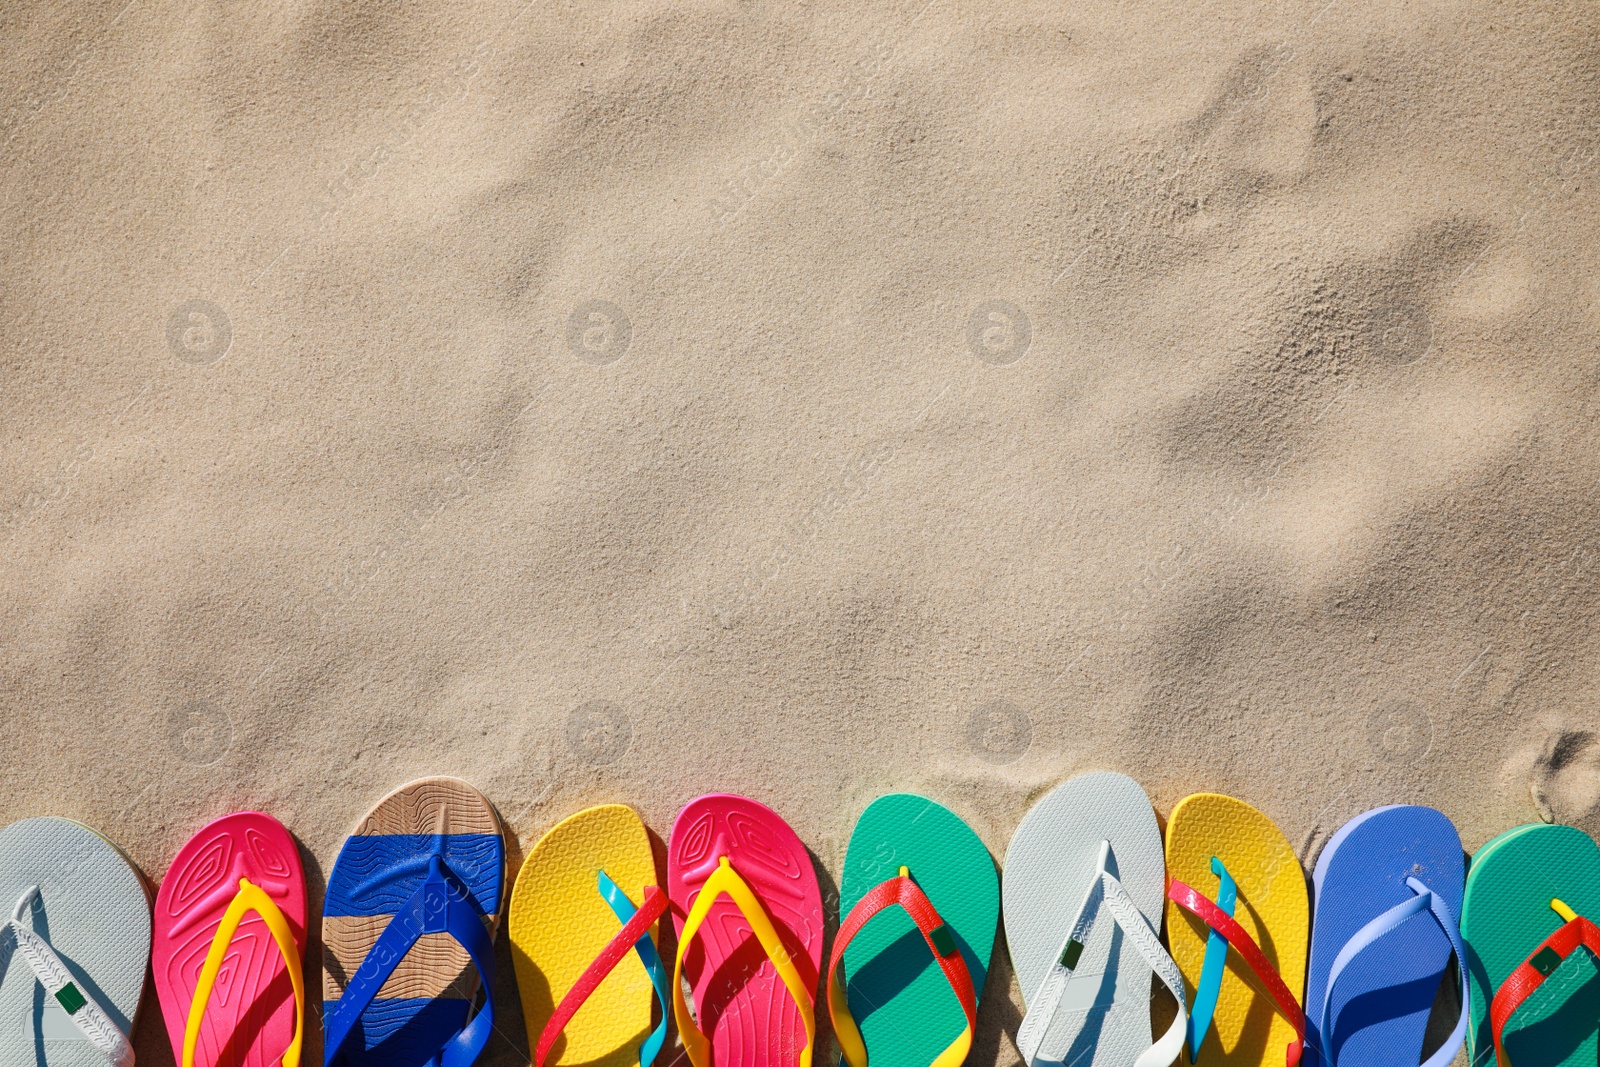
x=1046 y=999
x=89 y=1017
x=1108 y=891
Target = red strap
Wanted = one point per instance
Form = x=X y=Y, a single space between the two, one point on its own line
x=655 y=905
x=1241 y=942
x=1531 y=973
x=903 y=891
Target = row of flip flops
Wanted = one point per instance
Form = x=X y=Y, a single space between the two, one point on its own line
x=414 y=901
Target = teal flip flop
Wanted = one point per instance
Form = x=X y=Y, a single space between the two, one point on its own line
x=911 y=977
x=1508 y=915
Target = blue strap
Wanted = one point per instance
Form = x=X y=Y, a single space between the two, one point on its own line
x=624 y=911
x=1426 y=900
x=441 y=905
x=1210 y=987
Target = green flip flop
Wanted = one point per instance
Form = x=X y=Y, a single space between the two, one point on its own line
x=1509 y=912
x=921 y=900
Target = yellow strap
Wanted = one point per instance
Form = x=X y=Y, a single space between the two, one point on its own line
x=249 y=898
x=848 y=1034
x=845 y=1030
x=726 y=880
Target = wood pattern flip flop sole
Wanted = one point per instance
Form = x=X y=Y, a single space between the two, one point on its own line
x=428 y=997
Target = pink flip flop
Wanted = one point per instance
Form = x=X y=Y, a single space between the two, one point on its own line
x=752 y=948
x=230 y=934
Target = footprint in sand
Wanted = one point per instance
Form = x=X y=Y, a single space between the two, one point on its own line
x=1563 y=775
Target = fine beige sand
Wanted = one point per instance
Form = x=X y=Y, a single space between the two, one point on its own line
x=623 y=400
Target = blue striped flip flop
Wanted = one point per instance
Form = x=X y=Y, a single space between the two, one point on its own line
x=408 y=930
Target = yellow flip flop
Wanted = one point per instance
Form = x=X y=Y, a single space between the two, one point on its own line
x=1239 y=923
x=582 y=914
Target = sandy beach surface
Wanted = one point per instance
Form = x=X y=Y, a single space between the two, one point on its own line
x=627 y=400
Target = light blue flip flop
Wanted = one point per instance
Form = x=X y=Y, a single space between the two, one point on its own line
x=1386 y=895
x=74 y=954
x=1083 y=888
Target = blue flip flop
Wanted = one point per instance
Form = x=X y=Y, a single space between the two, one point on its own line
x=413 y=903
x=1386 y=895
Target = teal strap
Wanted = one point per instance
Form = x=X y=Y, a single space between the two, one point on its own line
x=1210 y=987
x=624 y=910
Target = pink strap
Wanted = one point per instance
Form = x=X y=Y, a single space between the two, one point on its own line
x=1220 y=921
x=655 y=905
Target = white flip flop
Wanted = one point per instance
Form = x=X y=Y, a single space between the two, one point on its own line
x=74 y=946
x=1083 y=892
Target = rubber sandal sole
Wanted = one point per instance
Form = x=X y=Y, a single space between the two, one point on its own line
x=559 y=923
x=1273 y=908
x=742 y=1005
x=1051 y=862
x=250 y=1017
x=429 y=996
x=899 y=997
x=95 y=914
x=1384 y=998
x=1505 y=915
